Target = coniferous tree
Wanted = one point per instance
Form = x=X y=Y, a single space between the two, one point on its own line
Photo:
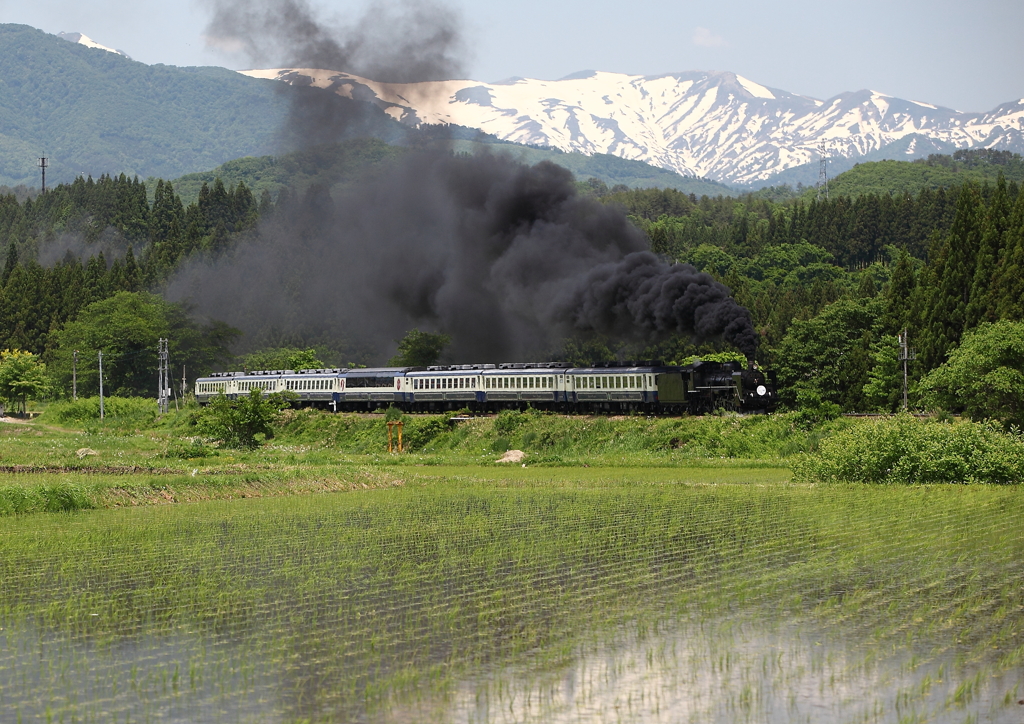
x=947 y=314
x=11 y=263
x=1009 y=285
x=981 y=305
x=132 y=277
x=899 y=295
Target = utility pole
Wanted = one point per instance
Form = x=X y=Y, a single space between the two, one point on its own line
x=907 y=353
x=43 y=163
x=74 y=376
x=101 y=385
x=163 y=377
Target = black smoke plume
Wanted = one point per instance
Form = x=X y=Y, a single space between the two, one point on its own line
x=508 y=260
x=404 y=41
x=505 y=258
x=393 y=41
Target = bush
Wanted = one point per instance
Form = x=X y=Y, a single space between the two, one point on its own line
x=508 y=421
x=420 y=432
x=241 y=423
x=187 y=450
x=905 y=450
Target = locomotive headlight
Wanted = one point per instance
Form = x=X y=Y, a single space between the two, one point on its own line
x=762 y=390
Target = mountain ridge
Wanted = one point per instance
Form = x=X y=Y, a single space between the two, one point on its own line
x=92 y=111
x=706 y=124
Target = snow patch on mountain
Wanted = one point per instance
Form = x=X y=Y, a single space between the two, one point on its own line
x=89 y=43
x=717 y=125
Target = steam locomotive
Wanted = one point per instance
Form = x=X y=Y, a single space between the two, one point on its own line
x=647 y=386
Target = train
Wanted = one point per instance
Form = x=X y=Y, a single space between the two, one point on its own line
x=646 y=386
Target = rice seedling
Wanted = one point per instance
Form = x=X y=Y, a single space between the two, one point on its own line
x=511 y=596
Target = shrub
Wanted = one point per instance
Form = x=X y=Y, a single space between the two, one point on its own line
x=905 y=450
x=187 y=450
x=240 y=423
x=508 y=421
x=420 y=432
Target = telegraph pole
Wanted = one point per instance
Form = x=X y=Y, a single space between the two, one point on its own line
x=907 y=353
x=163 y=377
x=101 y=385
x=43 y=163
x=74 y=376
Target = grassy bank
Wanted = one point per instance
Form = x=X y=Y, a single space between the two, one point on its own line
x=70 y=460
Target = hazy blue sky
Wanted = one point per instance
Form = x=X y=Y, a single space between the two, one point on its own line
x=969 y=56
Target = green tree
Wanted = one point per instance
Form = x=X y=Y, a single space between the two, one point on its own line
x=954 y=275
x=242 y=423
x=283 y=358
x=1009 y=284
x=982 y=305
x=984 y=376
x=884 y=389
x=829 y=356
x=22 y=376
x=419 y=349
x=898 y=294
x=126 y=327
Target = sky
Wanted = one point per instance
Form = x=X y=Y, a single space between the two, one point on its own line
x=966 y=56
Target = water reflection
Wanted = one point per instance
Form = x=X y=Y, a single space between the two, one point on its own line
x=725 y=673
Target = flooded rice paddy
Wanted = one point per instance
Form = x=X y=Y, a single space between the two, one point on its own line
x=471 y=603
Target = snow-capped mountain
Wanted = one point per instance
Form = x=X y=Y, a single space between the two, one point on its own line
x=717 y=125
x=89 y=43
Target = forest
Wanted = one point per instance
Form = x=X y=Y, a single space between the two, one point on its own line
x=829 y=282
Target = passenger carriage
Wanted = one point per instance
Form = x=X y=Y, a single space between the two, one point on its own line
x=647 y=386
